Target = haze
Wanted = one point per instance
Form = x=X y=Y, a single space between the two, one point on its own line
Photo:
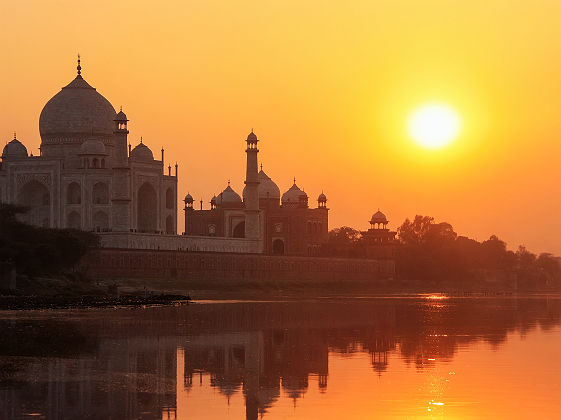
x=327 y=87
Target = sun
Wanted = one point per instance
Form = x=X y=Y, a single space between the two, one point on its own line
x=434 y=125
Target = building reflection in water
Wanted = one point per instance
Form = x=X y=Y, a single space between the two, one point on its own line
x=136 y=364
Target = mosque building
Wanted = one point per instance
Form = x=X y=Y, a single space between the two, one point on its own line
x=285 y=225
x=86 y=175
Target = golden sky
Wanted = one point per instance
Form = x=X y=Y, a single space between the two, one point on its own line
x=327 y=87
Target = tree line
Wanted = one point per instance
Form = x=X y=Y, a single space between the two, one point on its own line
x=36 y=251
x=433 y=252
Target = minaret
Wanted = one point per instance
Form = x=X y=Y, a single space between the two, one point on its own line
x=121 y=132
x=121 y=197
x=251 y=193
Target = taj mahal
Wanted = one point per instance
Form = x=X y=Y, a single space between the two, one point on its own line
x=88 y=176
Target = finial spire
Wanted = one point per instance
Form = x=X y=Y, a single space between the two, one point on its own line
x=140 y=139
x=228 y=182
x=261 y=166
x=121 y=108
x=15 y=135
x=294 y=180
x=79 y=68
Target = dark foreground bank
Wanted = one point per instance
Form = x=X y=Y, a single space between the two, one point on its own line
x=76 y=302
x=69 y=292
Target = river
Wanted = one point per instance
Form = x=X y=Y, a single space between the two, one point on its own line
x=420 y=357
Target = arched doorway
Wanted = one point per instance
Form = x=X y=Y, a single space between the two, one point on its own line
x=169 y=225
x=169 y=198
x=37 y=198
x=73 y=220
x=239 y=230
x=73 y=194
x=147 y=209
x=100 y=193
x=278 y=247
x=100 y=221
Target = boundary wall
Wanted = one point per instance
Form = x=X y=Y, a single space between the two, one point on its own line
x=162 y=264
x=155 y=241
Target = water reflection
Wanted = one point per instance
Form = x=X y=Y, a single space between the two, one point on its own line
x=250 y=359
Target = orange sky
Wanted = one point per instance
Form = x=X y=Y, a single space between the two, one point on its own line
x=327 y=86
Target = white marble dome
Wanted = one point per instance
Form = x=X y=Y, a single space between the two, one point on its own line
x=92 y=146
x=293 y=195
x=14 y=149
x=228 y=196
x=77 y=110
x=121 y=116
x=378 y=217
x=267 y=187
x=142 y=153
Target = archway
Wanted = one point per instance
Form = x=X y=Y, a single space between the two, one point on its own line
x=73 y=220
x=239 y=230
x=147 y=209
x=37 y=198
x=100 y=193
x=100 y=221
x=169 y=225
x=169 y=198
x=278 y=247
x=73 y=193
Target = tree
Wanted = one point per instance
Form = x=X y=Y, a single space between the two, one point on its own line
x=413 y=232
x=343 y=242
x=548 y=263
x=40 y=251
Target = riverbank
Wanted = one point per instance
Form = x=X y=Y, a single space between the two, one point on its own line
x=75 y=293
x=9 y=303
x=270 y=289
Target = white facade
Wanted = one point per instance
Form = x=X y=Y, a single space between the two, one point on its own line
x=87 y=177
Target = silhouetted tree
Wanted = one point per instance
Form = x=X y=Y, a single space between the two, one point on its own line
x=37 y=251
x=427 y=250
x=343 y=242
x=548 y=263
x=433 y=252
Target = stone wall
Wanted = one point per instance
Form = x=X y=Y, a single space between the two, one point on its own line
x=178 y=242
x=137 y=263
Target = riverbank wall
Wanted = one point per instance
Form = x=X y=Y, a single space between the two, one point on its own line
x=107 y=263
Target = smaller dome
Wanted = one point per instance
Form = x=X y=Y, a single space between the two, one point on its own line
x=322 y=198
x=213 y=199
x=121 y=116
x=14 y=149
x=267 y=187
x=294 y=195
x=142 y=153
x=228 y=196
x=378 y=217
x=92 y=146
x=252 y=137
x=189 y=199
